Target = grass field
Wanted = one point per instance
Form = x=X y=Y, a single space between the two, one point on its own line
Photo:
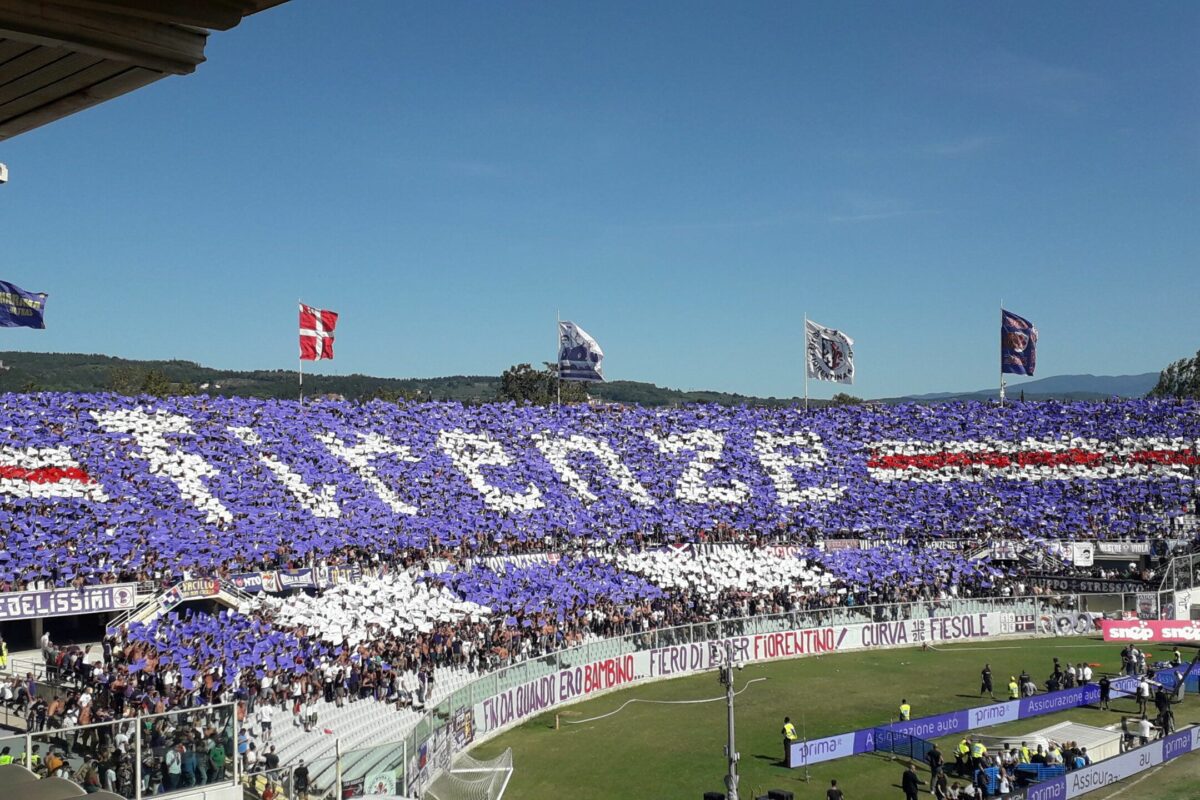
x=675 y=751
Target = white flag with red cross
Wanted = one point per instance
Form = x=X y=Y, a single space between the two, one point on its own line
x=316 y=333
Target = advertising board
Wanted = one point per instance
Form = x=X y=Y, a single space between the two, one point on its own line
x=1150 y=630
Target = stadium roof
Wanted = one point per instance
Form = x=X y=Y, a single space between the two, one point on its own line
x=62 y=56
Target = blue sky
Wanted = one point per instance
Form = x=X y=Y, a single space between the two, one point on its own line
x=684 y=180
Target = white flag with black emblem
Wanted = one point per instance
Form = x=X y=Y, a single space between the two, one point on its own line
x=579 y=355
x=830 y=353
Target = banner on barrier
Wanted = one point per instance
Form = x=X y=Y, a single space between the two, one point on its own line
x=287 y=579
x=63 y=602
x=1124 y=549
x=1150 y=630
x=1067 y=583
x=1147 y=605
x=575 y=682
x=190 y=589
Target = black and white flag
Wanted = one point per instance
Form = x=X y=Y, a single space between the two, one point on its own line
x=579 y=356
x=830 y=353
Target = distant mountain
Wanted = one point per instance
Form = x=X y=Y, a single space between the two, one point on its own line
x=1058 y=387
x=75 y=372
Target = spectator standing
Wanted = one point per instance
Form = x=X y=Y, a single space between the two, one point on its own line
x=910 y=782
x=985 y=684
x=300 y=781
x=1143 y=695
x=173 y=767
x=216 y=761
x=265 y=712
x=935 y=759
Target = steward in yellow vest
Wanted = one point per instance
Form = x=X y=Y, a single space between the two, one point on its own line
x=905 y=711
x=789 y=730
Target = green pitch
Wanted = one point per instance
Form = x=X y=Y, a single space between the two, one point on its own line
x=663 y=752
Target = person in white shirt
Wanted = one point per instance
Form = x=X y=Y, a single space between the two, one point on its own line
x=1087 y=673
x=1143 y=729
x=1143 y=695
x=264 y=721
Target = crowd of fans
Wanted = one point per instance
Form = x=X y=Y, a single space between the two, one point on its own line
x=101 y=488
x=488 y=535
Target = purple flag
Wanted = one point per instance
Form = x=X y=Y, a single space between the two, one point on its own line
x=1018 y=344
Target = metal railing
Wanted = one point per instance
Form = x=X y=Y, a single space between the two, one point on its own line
x=439 y=734
x=129 y=756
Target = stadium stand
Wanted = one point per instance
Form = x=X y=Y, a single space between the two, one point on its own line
x=423 y=545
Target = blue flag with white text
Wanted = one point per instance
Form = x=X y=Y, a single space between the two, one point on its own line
x=21 y=309
x=1018 y=344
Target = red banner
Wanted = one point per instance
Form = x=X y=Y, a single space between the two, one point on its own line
x=1150 y=630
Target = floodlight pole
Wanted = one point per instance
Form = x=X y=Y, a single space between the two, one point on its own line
x=731 y=753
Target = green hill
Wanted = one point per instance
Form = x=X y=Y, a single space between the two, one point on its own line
x=77 y=372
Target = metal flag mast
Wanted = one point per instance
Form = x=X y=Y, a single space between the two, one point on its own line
x=300 y=362
x=557 y=360
x=806 y=357
x=1001 y=351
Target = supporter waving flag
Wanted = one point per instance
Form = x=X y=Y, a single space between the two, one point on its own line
x=316 y=333
x=1018 y=344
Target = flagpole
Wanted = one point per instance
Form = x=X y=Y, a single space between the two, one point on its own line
x=806 y=361
x=558 y=362
x=1001 y=351
x=300 y=364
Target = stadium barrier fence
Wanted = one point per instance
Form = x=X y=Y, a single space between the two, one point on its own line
x=902 y=744
x=139 y=736
x=494 y=702
x=865 y=740
x=1102 y=773
x=427 y=744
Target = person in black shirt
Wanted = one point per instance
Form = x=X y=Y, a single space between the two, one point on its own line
x=833 y=792
x=300 y=781
x=935 y=759
x=986 y=684
x=1105 y=692
x=910 y=782
x=271 y=760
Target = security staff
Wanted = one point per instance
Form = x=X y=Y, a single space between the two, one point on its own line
x=978 y=751
x=905 y=710
x=5 y=758
x=1014 y=689
x=1025 y=755
x=789 y=731
x=961 y=754
x=33 y=758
